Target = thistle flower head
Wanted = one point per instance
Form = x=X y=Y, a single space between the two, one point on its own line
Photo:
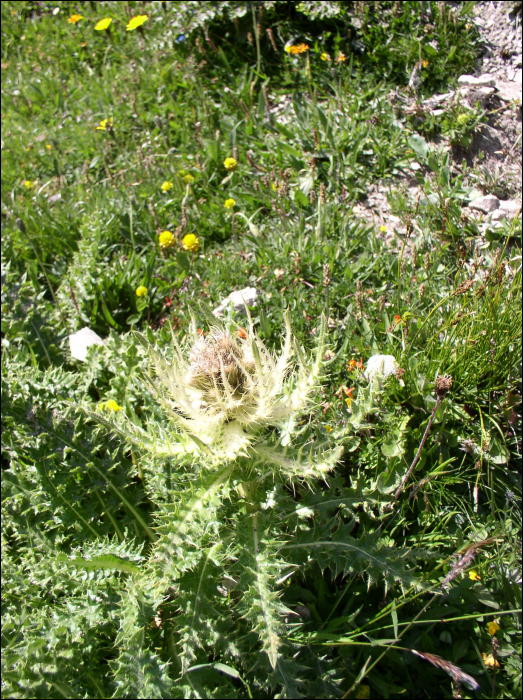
x=227 y=389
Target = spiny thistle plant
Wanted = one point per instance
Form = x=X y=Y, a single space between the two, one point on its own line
x=214 y=578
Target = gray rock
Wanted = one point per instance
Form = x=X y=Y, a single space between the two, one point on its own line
x=485 y=80
x=508 y=91
x=238 y=299
x=510 y=207
x=485 y=204
x=497 y=215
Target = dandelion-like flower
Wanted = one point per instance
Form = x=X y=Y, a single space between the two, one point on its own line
x=230 y=163
x=298 y=48
x=166 y=186
x=474 y=576
x=110 y=405
x=103 y=24
x=191 y=242
x=381 y=367
x=73 y=19
x=166 y=239
x=141 y=291
x=105 y=124
x=188 y=179
x=136 y=22
x=229 y=203
x=28 y=184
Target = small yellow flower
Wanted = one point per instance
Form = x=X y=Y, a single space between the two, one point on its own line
x=341 y=58
x=103 y=24
x=350 y=396
x=325 y=57
x=328 y=428
x=383 y=229
x=229 y=203
x=299 y=48
x=463 y=118
x=230 y=163
x=424 y=63
x=288 y=48
x=188 y=179
x=111 y=405
x=136 y=22
x=474 y=576
x=167 y=186
x=106 y=124
x=490 y=661
x=191 y=242
x=28 y=184
x=141 y=291
x=493 y=627
x=166 y=239
x=73 y=19
x=48 y=146
x=274 y=187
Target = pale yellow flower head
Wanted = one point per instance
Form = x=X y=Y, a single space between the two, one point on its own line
x=230 y=163
x=28 y=184
x=167 y=186
x=188 y=179
x=191 y=242
x=103 y=24
x=325 y=57
x=474 y=576
x=166 y=239
x=73 y=19
x=141 y=291
x=229 y=203
x=136 y=22
x=341 y=58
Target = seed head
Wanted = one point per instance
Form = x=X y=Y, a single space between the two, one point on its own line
x=443 y=385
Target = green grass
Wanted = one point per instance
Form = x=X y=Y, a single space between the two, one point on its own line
x=79 y=239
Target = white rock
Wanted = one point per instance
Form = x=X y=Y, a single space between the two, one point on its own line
x=508 y=91
x=381 y=366
x=81 y=341
x=238 y=299
x=485 y=80
x=511 y=207
x=498 y=215
x=517 y=76
x=485 y=204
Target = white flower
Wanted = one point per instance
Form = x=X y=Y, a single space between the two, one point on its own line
x=381 y=366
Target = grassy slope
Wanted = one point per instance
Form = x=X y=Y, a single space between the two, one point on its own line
x=91 y=215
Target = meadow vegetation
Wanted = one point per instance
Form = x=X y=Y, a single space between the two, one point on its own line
x=245 y=507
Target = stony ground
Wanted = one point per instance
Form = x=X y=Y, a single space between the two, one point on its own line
x=495 y=153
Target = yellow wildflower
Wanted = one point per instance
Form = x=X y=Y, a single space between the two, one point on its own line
x=490 y=661
x=191 y=242
x=383 y=229
x=299 y=48
x=474 y=576
x=188 y=179
x=106 y=124
x=48 y=146
x=28 y=184
x=167 y=186
x=230 y=163
x=424 y=63
x=229 y=203
x=341 y=58
x=103 y=24
x=141 y=291
x=136 y=22
x=325 y=57
x=328 y=428
x=73 y=19
x=166 y=239
x=493 y=627
x=350 y=396
x=110 y=405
